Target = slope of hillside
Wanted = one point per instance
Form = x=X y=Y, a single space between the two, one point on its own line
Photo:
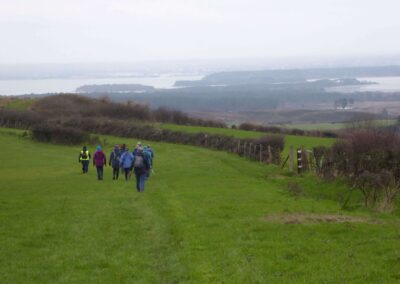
x=206 y=216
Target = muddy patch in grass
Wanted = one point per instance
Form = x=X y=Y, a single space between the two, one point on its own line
x=304 y=218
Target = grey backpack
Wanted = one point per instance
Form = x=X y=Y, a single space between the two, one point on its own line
x=138 y=162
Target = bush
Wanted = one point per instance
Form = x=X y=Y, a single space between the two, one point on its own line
x=276 y=144
x=58 y=134
x=369 y=158
x=19 y=119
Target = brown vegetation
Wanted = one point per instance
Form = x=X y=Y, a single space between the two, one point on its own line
x=369 y=158
x=19 y=119
x=304 y=218
x=59 y=134
x=79 y=106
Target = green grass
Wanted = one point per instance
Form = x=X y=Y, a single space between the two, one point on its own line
x=307 y=142
x=335 y=126
x=200 y=220
x=16 y=103
x=317 y=126
x=211 y=130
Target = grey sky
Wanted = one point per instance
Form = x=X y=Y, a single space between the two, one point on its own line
x=47 y=31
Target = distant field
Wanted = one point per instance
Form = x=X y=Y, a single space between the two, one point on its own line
x=334 y=126
x=211 y=130
x=205 y=217
x=316 y=126
x=15 y=103
x=295 y=141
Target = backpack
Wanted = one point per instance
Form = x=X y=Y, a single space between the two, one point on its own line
x=116 y=156
x=138 y=162
x=84 y=155
x=147 y=155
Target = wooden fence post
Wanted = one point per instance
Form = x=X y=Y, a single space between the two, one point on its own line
x=299 y=161
x=269 y=154
x=260 y=153
x=291 y=160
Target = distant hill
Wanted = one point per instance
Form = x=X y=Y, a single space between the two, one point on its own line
x=289 y=75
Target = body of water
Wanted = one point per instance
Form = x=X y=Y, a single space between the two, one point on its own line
x=42 y=86
x=385 y=84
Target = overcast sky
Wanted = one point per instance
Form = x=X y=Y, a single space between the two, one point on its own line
x=58 y=31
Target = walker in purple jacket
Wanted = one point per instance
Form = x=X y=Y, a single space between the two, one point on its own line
x=99 y=160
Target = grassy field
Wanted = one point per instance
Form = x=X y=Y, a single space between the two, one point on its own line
x=335 y=126
x=294 y=140
x=205 y=217
x=16 y=103
x=317 y=126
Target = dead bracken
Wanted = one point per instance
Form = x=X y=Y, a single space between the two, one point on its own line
x=305 y=218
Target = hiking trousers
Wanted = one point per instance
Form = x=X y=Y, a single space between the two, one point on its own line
x=99 y=173
x=140 y=180
x=85 y=166
x=115 y=173
x=127 y=171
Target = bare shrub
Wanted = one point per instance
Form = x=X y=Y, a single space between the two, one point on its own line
x=369 y=157
x=58 y=134
x=379 y=189
x=276 y=144
x=67 y=105
x=19 y=119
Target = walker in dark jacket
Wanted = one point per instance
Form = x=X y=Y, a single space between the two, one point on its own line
x=148 y=154
x=114 y=161
x=141 y=166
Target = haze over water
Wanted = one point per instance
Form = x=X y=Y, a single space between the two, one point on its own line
x=385 y=84
x=42 y=86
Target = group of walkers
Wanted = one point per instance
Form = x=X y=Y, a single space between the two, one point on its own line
x=139 y=161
